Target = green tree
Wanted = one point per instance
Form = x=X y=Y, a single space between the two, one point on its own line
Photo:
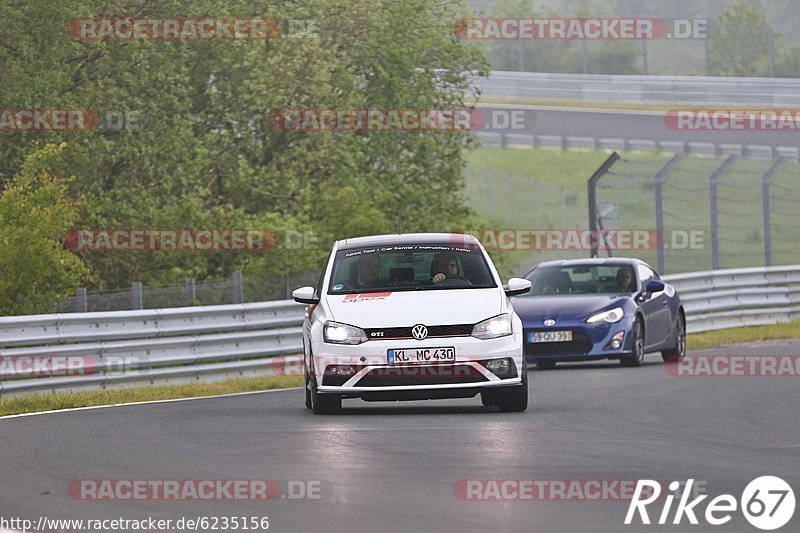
x=740 y=44
x=35 y=215
x=206 y=151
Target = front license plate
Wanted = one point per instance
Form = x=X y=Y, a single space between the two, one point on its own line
x=549 y=336
x=415 y=356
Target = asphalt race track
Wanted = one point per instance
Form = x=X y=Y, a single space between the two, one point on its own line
x=392 y=467
x=622 y=124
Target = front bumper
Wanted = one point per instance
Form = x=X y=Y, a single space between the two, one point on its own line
x=376 y=379
x=590 y=342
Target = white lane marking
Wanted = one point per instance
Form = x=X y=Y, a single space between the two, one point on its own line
x=143 y=403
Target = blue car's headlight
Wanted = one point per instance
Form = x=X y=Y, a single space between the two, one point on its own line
x=610 y=316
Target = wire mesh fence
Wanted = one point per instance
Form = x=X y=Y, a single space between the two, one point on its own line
x=237 y=289
x=705 y=213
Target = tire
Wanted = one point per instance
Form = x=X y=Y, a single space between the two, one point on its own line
x=545 y=365
x=677 y=352
x=636 y=358
x=307 y=386
x=515 y=399
x=488 y=399
x=324 y=404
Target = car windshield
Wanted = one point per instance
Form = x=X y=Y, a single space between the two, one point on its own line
x=581 y=279
x=409 y=267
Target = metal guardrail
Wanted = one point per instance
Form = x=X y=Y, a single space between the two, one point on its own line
x=682 y=90
x=722 y=299
x=527 y=140
x=97 y=350
x=101 y=350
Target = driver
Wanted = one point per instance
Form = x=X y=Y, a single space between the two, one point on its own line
x=444 y=265
x=369 y=267
x=625 y=279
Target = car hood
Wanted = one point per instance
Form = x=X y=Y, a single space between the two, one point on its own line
x=406 y=308
x=572 y=307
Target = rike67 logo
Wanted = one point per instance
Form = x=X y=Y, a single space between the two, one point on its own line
x=767 y=503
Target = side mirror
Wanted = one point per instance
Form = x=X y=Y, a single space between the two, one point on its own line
x=654 y=286
x=517 y=286
x=304 y=295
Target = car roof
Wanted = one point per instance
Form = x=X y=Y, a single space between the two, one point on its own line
x=407 y=238
x=595 y=261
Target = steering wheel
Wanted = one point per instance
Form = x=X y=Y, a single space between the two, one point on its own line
x=454 y=281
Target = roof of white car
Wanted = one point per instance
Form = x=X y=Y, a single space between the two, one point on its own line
x=408 y=238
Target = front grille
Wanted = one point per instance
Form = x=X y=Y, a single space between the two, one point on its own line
x=453 y=330
x=421 y=375
x=579 y=345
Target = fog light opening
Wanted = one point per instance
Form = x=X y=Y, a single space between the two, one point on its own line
x=616 y=340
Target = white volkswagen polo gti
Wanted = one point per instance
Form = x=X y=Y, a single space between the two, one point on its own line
x=412 y=317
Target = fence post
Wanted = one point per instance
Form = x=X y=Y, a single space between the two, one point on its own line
x=191 y=291
x=766 y=181
x=81 y=300
x=714 y=213
x=136 y=295
x=238 y=288
x=592 y=192
x=659 y=182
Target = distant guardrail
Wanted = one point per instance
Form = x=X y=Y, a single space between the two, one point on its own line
x=722 y=299
x=682 y=90
x=43 y=353
x=568 y=142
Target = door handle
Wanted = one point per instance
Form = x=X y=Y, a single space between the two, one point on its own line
x=664 y=300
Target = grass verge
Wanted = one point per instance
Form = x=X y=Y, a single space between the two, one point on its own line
x=710 y=339
x=32 y=403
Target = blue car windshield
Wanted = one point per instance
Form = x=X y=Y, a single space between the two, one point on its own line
x=581 y=279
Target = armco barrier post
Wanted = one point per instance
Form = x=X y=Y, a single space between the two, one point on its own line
x=136 y=295
x=238 y=288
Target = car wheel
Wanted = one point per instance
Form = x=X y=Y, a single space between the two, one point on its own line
x=545 y=365
x=515 y=399
x=324 y=404
x=307 y=386
x=636 y=358
x=678 y=352
x=488 y=399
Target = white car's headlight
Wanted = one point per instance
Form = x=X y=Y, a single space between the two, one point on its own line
x=498 y=326
x=336 y=333
x=610 y=316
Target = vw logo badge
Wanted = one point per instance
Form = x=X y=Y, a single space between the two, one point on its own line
x=419 y=332
x=549 y=322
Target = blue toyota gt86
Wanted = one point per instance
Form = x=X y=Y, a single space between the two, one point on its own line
x=586 y=309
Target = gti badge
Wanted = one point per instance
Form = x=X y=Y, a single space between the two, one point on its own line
x=419 y=332
x=549 y=322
